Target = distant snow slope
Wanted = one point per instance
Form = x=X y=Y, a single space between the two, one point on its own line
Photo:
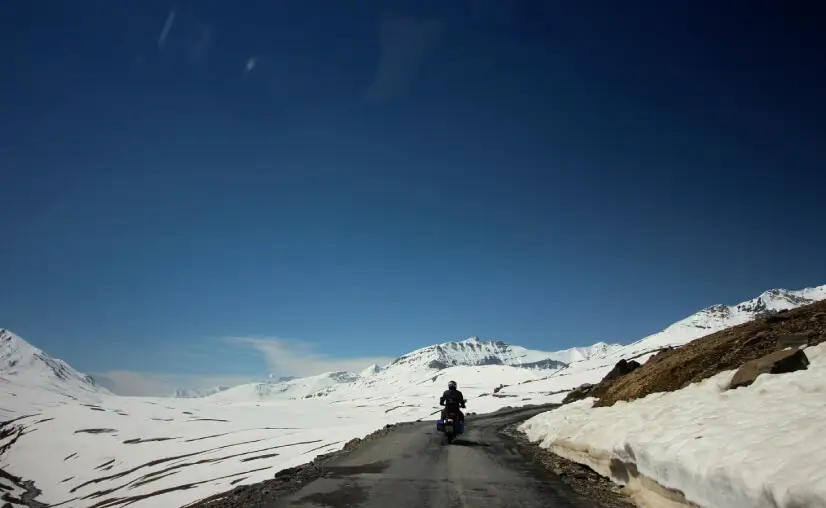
x=296 y=388
x=476 y=352
x=25 y=371
x=186 y=393
x=369 y=371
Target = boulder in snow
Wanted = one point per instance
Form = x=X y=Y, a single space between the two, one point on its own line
x=583 y=391
x=779 y=362
x=794 y=340
x=777 y=318
x=754 y=339
x=662 y=353
x=622 y=368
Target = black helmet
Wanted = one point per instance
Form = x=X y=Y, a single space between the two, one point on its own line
x=451 y=385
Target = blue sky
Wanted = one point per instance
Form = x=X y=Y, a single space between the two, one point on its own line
x=293 y=186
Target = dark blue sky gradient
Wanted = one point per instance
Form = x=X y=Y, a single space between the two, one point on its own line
x=549 y=175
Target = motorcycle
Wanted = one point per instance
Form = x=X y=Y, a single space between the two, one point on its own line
x=451 y=426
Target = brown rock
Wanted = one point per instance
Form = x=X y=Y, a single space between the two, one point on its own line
x=791 y=340
x=579 y=393
x=779 y=362
x=622 y=368
x=661 y=353
x=754 y=339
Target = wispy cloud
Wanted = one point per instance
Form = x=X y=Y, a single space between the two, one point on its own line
x=251 y=63
x=298 y=358
x=166 y=27
x=283 y=358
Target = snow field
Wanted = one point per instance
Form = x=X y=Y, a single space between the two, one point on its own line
x=148 y=452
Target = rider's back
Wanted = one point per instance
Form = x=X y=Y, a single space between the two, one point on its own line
x=453 y=398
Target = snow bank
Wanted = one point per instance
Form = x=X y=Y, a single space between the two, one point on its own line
x=754 y=447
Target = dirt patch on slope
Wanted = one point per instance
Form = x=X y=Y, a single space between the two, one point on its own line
x=673 y=369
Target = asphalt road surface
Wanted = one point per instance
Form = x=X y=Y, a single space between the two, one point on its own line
x=414 y=467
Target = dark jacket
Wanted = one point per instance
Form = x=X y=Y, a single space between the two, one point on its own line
x=452 y=398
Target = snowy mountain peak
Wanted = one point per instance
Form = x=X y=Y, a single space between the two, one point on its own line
x=719 y=317
x=13 y=349
x=184 y=393
x=578 y=354
x=371 y=370
x=774 y=300
x=768 y=302
x=474 y=352
x=293 y=388
x=342 y=376
x=22 y=363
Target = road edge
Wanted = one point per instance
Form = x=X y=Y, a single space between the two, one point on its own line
x=580 y=478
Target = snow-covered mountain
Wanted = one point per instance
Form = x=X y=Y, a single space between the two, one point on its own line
x=196 y=393
x=719 y=317
x=185 y=393
x=292 y=388
x=419 y=364
x=30 y=379
x=567 y=368
x=369 y=371
x=705 y=322
x=25 y=365
x=473 y=351
x=579 y=354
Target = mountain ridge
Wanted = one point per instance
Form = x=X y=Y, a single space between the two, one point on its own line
x=23 y=363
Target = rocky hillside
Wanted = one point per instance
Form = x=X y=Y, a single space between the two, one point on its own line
x=674 y=368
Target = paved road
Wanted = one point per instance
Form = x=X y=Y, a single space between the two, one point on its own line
x=413 y=467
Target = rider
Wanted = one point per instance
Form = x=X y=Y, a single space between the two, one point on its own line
x=452 y=399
